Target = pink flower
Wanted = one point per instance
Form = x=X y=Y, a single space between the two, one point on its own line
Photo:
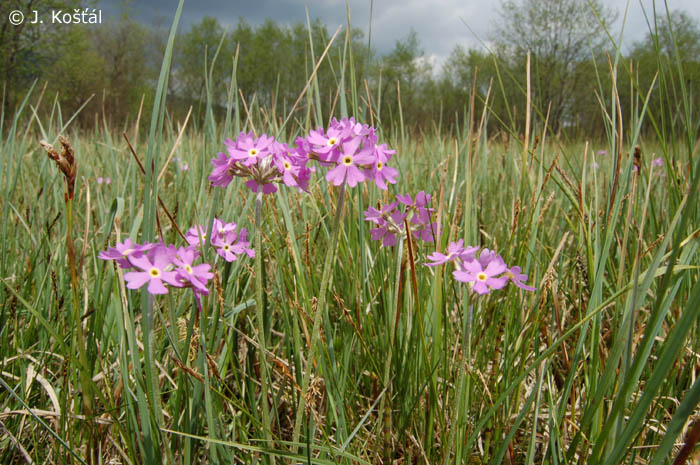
x=347 y=168
x=222 y=174
x=248 y=149
x=391 y=221
x=485 y=273
x=455 y=250
x=263 y=161
x=517 y=278
x=232 y=244
x=381 y=173
x=158 y=265
x=327 y=145
x=483 y=279
x=196 y=235
x=121 y=252
x=189 y=274
x=657 y=162
x=155 y=269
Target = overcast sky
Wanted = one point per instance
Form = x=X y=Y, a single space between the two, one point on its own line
x=440 y=24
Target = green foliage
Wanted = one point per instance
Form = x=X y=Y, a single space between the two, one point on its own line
x=28 y=50
x=411 y=366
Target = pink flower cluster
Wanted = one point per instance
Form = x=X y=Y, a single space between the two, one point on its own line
x=390 y=219
x=263 y=161
x=159 y=264
x=350 y=150
x=485 y=273
x=228 y=239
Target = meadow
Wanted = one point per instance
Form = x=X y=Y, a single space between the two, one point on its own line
x=324 y=345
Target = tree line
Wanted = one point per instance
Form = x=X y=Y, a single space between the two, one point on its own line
x=114 y=65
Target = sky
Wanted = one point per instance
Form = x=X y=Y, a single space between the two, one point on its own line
x=440 y=24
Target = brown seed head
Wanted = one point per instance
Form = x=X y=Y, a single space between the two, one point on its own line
x=65 y=161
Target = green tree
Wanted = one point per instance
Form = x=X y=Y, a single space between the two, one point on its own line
x=561 y=36
x=407 y=66
x=124 y=48
x=28 y=49
x=78 y=73
x=200 y=42
x=671 y=53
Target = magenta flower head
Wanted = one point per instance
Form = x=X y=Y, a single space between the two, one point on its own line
x=391 y=219
x=486 y=273
x=154 y=268
x=350 y=150
x=230 y=241
x=249 y=150
x=327 y=144
x=189 y=274
x=483 y=279
x=347 y=169
x=196 y=235
x=657 y=162
x=602 y=152
x=517 y=278
x=232 y=244
x=421 y=225
x=380 y=171
x=389 y=223
x=223 y=171
x=121 y=252
x=455 y=250
x=159 y=266
x=262 y=161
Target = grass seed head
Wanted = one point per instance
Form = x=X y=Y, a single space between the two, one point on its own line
x=65 y=161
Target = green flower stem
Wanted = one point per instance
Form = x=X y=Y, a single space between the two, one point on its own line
x=85 y=376
x=320 y=310
x=259 y=302
x=384 y=412
x=463 y=389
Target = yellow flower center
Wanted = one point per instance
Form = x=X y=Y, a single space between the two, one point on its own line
x=227 y=247
x=155 y=272
x=127 y=252
x=380 y=165
x=332 y=141
x=188 y=268
x=481 y=276
x=287 y=165
x=347 y=160
x=253 y=152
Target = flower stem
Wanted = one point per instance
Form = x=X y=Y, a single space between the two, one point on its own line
x=85 y=376
x=260 y=317
x=393 y=319
x=320 y=310
x=463 y=386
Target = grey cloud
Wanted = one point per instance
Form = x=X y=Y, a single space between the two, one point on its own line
x=438 y=23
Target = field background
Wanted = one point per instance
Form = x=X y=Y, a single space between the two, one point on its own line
x=598 y=365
